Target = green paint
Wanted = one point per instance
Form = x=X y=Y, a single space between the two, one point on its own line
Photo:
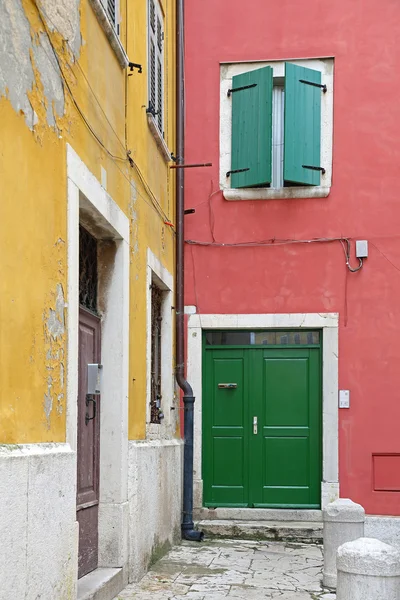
x=280 y=465
x=302 y=143
x=252 y=128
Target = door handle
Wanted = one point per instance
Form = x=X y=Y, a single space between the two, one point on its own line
x=227 y=386
x=255 y=425
x=90 y=398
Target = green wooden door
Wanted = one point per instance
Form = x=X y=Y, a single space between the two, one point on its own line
x=262 y=434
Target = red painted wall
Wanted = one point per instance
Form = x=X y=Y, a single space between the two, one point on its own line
x=364 y=203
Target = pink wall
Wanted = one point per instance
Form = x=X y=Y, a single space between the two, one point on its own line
x=364 y=203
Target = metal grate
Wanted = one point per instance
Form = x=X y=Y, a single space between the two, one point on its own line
x=87 y=270
x=155 y=400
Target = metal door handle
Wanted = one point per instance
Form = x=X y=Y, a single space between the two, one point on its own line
x=90 y=398
x=255 y=425
x=227 y=386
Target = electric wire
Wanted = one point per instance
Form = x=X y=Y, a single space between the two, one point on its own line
x=155 y=205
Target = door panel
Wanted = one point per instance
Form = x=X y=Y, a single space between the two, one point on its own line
x=88 y=447
x=225 y=439
x=287 y=402
x=279 y=464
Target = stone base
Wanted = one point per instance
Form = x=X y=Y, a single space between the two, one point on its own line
x=155 y=501
x=38 y=522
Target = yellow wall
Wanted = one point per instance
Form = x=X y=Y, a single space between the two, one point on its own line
x=33 y=212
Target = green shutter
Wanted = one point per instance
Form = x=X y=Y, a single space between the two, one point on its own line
x=252 y=128
x=302 y=143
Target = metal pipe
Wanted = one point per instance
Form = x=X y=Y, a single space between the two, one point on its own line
x=187 y=527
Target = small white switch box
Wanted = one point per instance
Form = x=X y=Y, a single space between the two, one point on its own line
x=362 y=249
x=344 y=398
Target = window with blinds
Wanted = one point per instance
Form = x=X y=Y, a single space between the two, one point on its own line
x=156 y=64
x=111 y=9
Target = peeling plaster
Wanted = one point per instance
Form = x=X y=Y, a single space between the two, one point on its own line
x=54 y=334
x=29 y=74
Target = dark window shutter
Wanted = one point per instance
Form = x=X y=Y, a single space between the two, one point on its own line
x=152 y=15
x=160 y=96
x=152 y=76
x=111 y=11
x=252 y=128
x=302 y=142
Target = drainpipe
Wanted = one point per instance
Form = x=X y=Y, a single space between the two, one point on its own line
x=187 y=527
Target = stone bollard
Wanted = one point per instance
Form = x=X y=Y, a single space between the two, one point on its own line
x=368 y=569
x=343 y=522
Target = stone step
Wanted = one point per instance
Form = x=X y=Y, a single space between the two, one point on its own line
x=100 y=584
x=257 y=514
x=287 y=531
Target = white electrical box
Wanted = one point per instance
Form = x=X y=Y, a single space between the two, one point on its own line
x=361 y=248
x=344 y=398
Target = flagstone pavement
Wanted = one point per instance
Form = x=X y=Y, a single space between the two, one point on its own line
x=236 y=570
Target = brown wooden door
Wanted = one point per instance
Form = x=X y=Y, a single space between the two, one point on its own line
x=88 y=446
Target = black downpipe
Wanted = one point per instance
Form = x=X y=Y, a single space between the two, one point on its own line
x=187 y=527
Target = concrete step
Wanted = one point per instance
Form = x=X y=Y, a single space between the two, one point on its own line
x=100 y=584
x=286 y=531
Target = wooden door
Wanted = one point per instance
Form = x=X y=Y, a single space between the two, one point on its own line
x=262 y=426
x=285 y=464
x=88 y=447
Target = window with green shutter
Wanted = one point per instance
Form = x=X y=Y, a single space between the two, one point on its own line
x=276 y=128
x=251 y=128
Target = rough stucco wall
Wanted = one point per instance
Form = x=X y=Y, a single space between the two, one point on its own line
x=154 y=491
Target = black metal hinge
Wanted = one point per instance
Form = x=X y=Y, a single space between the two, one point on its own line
x=237 y=171
x=314 y=168
x=244 y=87
x=319 y=85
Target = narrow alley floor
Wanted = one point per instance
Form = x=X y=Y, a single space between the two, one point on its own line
x=236 y=569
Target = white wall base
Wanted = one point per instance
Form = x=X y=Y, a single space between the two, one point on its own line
x=155 y=501
x=38 y=533
x=385 y=529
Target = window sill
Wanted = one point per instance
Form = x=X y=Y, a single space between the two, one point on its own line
x=276 y=194
x=110 y=32
x=158 y=138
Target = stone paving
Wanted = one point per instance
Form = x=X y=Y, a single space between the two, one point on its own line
x=236 y=570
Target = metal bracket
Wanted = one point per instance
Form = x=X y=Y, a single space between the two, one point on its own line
x=151 y=110
x=314 y=168
x=319 y=85
x=244 y=87
x=237 y=171
x=133 y=66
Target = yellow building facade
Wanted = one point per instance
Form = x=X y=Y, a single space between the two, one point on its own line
x=90 y=457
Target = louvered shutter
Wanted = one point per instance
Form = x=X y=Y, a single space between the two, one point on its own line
x=111 y=10
x=156 y=64
x=252 y=128
x=302 y=138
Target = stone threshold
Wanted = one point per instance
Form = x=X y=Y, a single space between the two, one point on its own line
x=258 y=514
x=101 y=584
x=301 y=532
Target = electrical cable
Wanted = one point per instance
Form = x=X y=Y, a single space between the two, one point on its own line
x=128 y=157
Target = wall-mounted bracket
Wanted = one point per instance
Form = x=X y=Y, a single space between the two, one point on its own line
x=239 y=89
x=314 y=168
x=133 y=66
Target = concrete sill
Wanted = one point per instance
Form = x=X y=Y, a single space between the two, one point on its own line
x=162 y=146
x=110 y=32
x=276 y=194
x=100 y=584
